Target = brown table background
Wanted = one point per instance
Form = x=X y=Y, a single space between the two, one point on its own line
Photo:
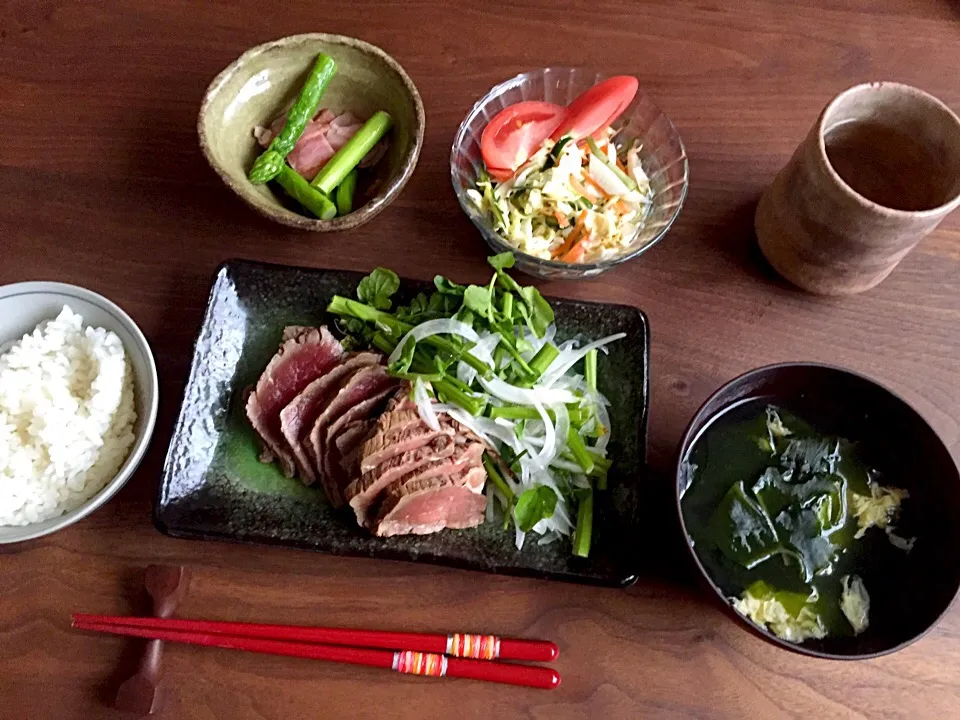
x=102 y=184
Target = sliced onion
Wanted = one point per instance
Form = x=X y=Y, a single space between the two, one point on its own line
x=482 y=350
x=604 y=417
x=549 y=450
x=486 y=429
x=562 y=428
x=443 y=326
x=425 y=405
x=558 y=368
x=526 y=396
x=520 y=536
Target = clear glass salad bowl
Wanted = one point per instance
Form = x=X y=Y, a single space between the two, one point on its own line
x=662 y=155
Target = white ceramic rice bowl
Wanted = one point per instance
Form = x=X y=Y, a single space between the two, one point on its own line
x=23 y=306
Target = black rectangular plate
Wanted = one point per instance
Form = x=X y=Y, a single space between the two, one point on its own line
x=214 y=487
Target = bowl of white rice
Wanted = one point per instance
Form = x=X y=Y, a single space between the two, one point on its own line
x=78 y=404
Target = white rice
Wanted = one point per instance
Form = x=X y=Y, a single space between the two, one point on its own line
x=66 y=418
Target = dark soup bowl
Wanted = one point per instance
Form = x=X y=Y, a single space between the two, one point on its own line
x=822 y=509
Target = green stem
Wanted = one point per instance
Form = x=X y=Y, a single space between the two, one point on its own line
x=345 y=192
x=590 y=369
x=541 y=361
x=349 y=156
x=300 y=190
x=579 y=451
x=520 y=412
x=602 y=481
x=582 y=535
x=493 y=472
x=508 y=306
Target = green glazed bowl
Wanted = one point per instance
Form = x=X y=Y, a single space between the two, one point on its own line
x=260 y=84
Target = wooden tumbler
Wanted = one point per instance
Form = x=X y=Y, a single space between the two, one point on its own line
x=878 y=171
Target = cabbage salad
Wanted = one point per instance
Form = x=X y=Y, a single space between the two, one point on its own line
x=488 y=357
x=572 y=201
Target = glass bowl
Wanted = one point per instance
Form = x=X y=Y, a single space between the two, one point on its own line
x=662 y=154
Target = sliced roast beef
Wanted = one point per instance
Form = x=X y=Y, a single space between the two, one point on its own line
x=353 y=435
x=363 y=384
x=305 y=354
x=431 y=504
x=399 y=431
x=363 y=492
x=299 y=415
x=365 y=411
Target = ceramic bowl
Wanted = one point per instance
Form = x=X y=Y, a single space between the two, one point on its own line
x=662 y=155
x=23 y=306
x=909 y=592
x=259 y=85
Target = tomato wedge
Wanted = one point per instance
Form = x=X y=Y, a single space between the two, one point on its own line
x=598 y=107
x=515 y=133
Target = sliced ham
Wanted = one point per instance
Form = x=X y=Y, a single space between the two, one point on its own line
x=304 y=355
x=312 y=150
x=358 y=387
x=427 y=505
x=299 y=415
x=321 y=139
x=363 y=492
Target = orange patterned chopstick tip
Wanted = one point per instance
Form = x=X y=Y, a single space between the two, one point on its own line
x=475 y=646
x=481 y=647
x=418 y=663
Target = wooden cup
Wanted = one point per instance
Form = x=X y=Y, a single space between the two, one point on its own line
x=826 y=237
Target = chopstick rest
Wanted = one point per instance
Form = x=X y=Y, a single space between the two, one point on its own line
x=142 y=693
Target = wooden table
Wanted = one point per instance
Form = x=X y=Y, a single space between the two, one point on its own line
x=103 y=185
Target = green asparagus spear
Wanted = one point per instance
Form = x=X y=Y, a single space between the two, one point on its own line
x=347 y=157
x=345 y=192
x=300 y=190
x=271 y=162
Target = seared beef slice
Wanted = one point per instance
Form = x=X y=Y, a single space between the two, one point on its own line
x=305 y=355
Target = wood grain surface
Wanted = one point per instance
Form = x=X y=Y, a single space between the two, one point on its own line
x=103 y=185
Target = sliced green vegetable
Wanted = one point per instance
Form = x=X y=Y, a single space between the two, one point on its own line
x=345 y=192
x=353 y=151
x=554 y=157
x=590 y=369
x=583 y=534
x=270 y=164
x=541 y=361
x=299 y=189
x=579 y=450
x=602 y=157
x=493 y=472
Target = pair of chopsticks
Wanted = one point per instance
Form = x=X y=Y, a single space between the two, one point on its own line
x=459 y=655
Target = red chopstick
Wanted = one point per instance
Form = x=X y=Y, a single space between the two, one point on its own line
x=404 y=661
x=479 y=647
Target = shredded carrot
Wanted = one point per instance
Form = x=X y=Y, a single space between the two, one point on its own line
x=623 y=168
x=580 y=189
x=573 y=237
x=593 y=183
x=575 y=254
x=561 y=219
x=622 y=207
